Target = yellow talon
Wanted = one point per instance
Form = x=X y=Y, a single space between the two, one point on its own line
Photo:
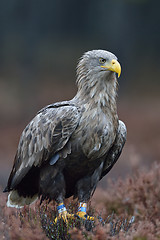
x=84 y=216
x=65 y=216
x=82 y=212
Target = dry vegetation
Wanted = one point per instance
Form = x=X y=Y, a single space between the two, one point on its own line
x=128 y=209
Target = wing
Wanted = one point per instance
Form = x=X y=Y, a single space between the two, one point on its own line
x=116 y=149
x=44 y=136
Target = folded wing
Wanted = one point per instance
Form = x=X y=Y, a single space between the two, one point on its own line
x=116 y=149
x=43 y=137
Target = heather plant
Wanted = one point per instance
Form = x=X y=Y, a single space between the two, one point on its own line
x=128 y=209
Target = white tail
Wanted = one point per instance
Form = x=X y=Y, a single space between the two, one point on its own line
x=14 y=200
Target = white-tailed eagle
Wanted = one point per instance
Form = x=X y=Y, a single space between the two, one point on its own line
x=69 y=146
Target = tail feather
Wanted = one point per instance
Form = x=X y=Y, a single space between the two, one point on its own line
x=17 y=201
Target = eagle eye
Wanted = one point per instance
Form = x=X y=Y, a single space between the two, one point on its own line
x=102 y=60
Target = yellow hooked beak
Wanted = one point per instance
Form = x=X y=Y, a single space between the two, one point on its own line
x=113 y=66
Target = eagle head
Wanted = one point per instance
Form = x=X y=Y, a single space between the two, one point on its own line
x=98 y=63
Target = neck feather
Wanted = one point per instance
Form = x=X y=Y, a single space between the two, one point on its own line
x=97 y=90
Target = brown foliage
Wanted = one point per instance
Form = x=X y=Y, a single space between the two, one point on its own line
x=135 y=203
x=19 y=224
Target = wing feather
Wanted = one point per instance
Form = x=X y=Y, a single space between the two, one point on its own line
x=45 y=135
x=116 y=149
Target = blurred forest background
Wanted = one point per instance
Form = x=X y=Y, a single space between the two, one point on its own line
x=40 y=44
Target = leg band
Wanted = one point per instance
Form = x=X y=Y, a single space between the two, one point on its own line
x=61 y=208
x=82 y=207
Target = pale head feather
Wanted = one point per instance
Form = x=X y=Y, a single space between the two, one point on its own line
x=93 y=81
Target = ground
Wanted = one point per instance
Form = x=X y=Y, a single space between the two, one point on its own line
x=128 y=209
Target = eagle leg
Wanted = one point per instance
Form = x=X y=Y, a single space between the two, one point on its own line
x=63 y=214
x=82 y=212
x=85 y=188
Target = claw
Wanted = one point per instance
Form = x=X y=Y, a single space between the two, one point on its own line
x=84 y=216
x=63 y=214
x=82 y=212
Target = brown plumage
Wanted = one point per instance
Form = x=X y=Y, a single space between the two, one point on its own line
x=69 y=146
